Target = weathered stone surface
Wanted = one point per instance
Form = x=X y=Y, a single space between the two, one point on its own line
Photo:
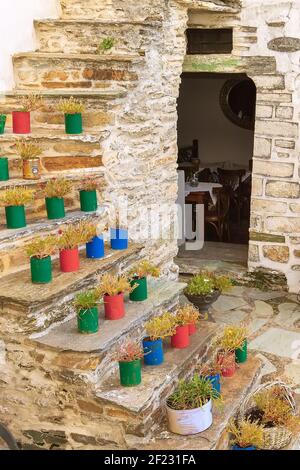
x=257 y=186
x=282 y=189
x=284 y=112
x=278 y=254
x=265 y=205
x=227 y=302
x=284 y=44
x=283 y=224
x=286 y=144
x=280 y=170
x=289 y=314
x=279 y=342
x=292 y=371
x=262 y=309
x=266 y=237
x=262 y=147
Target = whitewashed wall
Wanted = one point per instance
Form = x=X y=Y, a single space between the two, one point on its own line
x=17 y=31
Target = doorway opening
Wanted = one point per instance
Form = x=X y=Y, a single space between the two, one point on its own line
x=216 y=121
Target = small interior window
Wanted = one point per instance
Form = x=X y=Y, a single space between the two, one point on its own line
x=209 y=41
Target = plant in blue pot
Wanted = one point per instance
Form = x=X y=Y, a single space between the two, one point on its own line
x=212 y=372
x=245 y=434
x=119 y=235
x=138 y=278
x=95 y=244
x=157 y=329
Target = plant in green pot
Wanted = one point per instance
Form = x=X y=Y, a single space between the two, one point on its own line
x=14 y=200
x=138 y=278
x=86 y=305
x=4 y=170
x=72 y=109
x=129 y=357
x=112 y=289
x=40 y=251
x=189 y=407
x=157 y=329
x=88 y=195
x=229 y=343
x=30 y=155
x=245 y=435
x=2 y=123
x=205 y=288
x=55 y=191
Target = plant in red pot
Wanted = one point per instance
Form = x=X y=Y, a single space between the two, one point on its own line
x=138 y=278
x=30 y=155
x=72 y=109
x=86 y=305
x=55 y=191
x=130 y=356
x=69 y=241
x=88 y=195
x=40 y=250
x=21 y=118
x=14 y=201
x=192 y=316
x=232 y=339
x=181 y=338
x=112 y=289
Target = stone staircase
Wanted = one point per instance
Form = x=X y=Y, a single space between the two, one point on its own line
x=60 y=389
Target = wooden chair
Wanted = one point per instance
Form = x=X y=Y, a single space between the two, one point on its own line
x=232 y=180
x=218 y=215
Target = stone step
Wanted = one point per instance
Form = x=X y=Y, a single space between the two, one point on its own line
x=13 y=257
x=112 y=10
x=100 y=104
x=44 y=70
x=92 y=355
x=140 y=409
x=80 y=36
x=234 y=392
x=37 y=209
x=60 y=152
x=37 y=306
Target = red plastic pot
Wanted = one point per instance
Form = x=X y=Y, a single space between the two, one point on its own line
x=227 y=362
x=21 y=122
x=192 y=329
x=181 y=339
x=114 y=307
x=69 y=260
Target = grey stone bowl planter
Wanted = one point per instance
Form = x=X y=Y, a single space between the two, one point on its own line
x=203 y=302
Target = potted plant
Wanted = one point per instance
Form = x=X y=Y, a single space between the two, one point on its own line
x=55 y=191
x=212 y=372
x=232 y=344
x=138 y=277
x=21 y=118
x=129 y=357
x=68 y=242
x=112 y=289
x=205 y=288
x=14 y=201
x=239 y=338
x=95 y=243
x=192 y=316
x=189 y=407
x=2 y=123
x=72 y=109
x=29 y=152
x=88 y=195
x=40 y=250
x=119 y=236
x=87 y=311
x=245 y=435
x=157 y=329
x=181 y=337
x=4 y=171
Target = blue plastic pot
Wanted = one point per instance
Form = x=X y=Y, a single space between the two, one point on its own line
x=215 y=381
x=153 y=352
x=95 y=248
x=119 y=239
x=235 y=447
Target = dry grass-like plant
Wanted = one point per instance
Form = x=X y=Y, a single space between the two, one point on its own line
x=28 y=150
x=71 y=106
x=143 y=269
x=74 y=235
x=111 y=285
x=31 y=103
x=233 y=338
x=16 y=196
x=86 y=300
x=89 y=184
x=58 y=187
x=160 y=327
x=42 y=247
x=246 y=433
x=130 y=351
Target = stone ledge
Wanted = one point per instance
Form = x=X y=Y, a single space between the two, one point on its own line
x=107 y=93
x=50 y=134
x=66 y=337
x=155 y=379
x=97 y=22
x=97 y=58
x=234 y=391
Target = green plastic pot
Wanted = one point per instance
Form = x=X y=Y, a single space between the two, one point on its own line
x=2 y=123
x=88 y=201
x=4 y=173
x=241 y=354
x=73 y=123
x=130 y=373
x=41 y=270
x=140 y=293
x=88 y=320
x=55 y=207
x=15 y=216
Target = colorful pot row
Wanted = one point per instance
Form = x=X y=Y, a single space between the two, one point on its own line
x=41 y=268
x=21 y=122
x=229 y=360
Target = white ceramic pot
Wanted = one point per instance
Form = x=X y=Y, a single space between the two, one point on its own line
x=186 y=422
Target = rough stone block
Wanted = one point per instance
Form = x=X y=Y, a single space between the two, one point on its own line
x=271 y=168
x=278 y=254
x=277 y=128
x=282 y=189
x=265 y=205
x=284 y=112
x=262 y=147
